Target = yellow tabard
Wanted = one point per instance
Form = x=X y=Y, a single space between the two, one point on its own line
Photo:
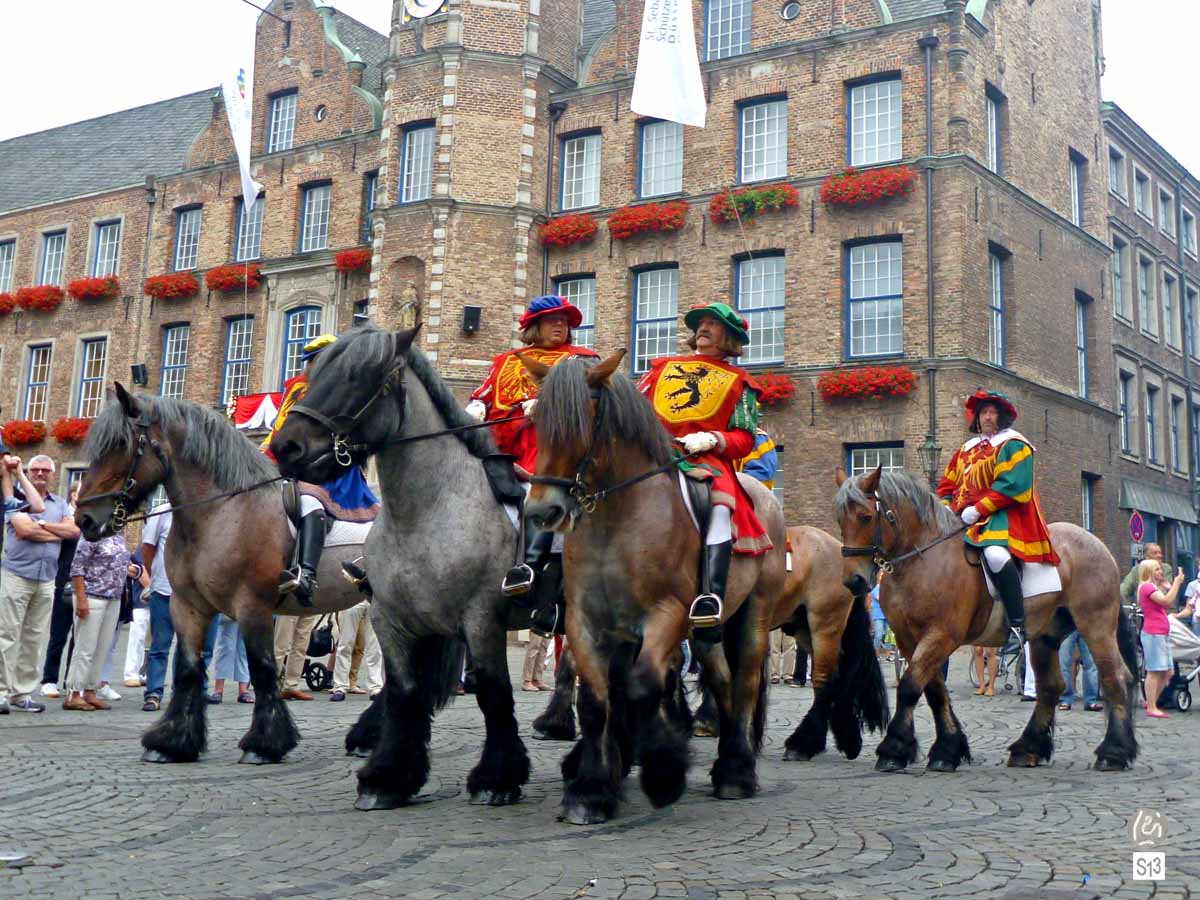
x=514 y=383
x=693 y=391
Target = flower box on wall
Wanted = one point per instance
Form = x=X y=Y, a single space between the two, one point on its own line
x=44 y=297
x=7 y=303
x=234 y=279
x=70 y=429
x=746 y=203
x=647 y=218
x=176 y=286
x=867 y=382
x=851 y=189
x=567 y=230
x=19 y=432
x=776 y=388
x=347 y=261
x=103 y=288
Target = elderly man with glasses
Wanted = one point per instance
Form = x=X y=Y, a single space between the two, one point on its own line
x=31 y=547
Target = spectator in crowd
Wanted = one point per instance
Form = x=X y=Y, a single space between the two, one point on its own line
x=800 y=673
x=98 y=575
x=1091 y=676
x=162 y=630
x=139 y=623
x=1156 y=598
x=62 y=614
x=1191 y=596
x=535 y=663
x=229 y=660
x=987 y=663
x=879 y=622
x=32 y=542
x=351 y=622
x=1029 y=692
x=783 y=656
x=360 y=646
x=1130 y=583
x=291 y=647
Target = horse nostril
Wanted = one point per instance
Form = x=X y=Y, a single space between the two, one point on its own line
x=290 y=451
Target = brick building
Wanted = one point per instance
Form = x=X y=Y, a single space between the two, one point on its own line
x=446 y=144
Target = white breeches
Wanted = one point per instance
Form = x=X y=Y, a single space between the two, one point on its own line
x=309 y=505
x=996 y=557
x=720 y=528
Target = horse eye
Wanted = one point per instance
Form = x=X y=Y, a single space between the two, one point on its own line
x=864 y=517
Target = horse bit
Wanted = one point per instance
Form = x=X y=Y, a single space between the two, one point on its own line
x=342 y=448
x=124 y=500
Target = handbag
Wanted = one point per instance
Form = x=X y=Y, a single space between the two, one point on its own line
x=320 y=642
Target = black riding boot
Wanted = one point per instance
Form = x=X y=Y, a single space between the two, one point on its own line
x=519 y=582
x=355 y=573
x=549 y=616
x=708 y=608
x=1008 y=585
x=301 y=579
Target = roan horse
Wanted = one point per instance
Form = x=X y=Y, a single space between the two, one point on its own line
x=936 y=601
x=224 y=556
x=435 y=556
x=605 y=476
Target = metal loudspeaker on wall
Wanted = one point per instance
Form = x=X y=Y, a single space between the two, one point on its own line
x=471 y=318
x=137 y=372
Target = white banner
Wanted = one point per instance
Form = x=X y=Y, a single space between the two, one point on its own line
x=239 y=106
x=667 y=84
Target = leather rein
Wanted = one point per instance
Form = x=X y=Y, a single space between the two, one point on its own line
x=125 y=499
x=879 y=553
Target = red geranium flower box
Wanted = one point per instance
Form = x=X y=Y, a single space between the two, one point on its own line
x=567 y=230
x=7 y=303
x=346 y=261
x=176 y=286
x=869 y=381
x=44 y=297
x=70 y=430
x=628 y=221
x=234 y=279
x=94 y=288
x=775 y=389
x=852 y=188
x=746 y=203
x=23 y=431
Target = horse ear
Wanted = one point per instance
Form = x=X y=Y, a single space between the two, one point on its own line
x=871 y=481
x=598 y=373
x=841 y=476
x=128 y=403
x=404 y=339
x=538 y=369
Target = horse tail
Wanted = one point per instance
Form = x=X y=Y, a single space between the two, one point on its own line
x=437 y=667
x=760 y=708
x=860 y=681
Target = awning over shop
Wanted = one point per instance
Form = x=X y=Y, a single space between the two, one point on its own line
x=255 y=411
x=1157 y=501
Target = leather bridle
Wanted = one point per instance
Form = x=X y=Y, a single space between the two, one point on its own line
x=127 y=499
x=879 y=553
x=342 y=426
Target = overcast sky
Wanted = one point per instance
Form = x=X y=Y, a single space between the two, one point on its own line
x=67 y=60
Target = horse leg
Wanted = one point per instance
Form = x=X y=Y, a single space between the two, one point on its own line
x=364 y=734
x=661 y=744
x=1036 y=743
x=950 y=749
x=272 y=732
x=181 y=735
x=809 y=737
x=715 y=691
x=899 y=745
x=504 y=764
x=557 y=723
x=593 y=770
x=733 y=773
x=1115 y=657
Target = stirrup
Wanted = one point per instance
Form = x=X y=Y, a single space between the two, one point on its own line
x=707 y=620
x=292 y=583
x=357 y=576
x=518 y=581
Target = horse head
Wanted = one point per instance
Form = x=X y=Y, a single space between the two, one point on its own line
x=353 y=405
x=129 y=456
x=861 y=520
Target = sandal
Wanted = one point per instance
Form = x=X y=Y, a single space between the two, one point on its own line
x=991 y=691
x=1157 y=714
x=1094 y=707
x=152 y=704
x=1064 y=706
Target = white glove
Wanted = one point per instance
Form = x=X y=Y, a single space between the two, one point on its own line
x=970 y=515
x=476 y=410
x=701 y=442
x=528 y=406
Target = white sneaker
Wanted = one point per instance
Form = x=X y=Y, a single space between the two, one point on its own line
x=107 y=693
x=50 y=690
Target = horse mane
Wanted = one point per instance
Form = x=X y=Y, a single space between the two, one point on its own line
x=368 y=347
x=209 y=443
x=563 y=414
x=897 y=489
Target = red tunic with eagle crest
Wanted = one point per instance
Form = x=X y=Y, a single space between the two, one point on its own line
x=506 y=386
x=698 y=393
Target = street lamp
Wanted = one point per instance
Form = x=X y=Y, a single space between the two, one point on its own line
x=930 y=455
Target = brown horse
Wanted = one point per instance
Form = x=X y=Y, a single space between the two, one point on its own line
x=630 y=564
x=833 y=626
x=936 y=601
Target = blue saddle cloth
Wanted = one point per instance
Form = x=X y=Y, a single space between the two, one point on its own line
x=346 y=497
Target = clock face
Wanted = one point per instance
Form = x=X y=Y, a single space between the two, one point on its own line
x=422 y=9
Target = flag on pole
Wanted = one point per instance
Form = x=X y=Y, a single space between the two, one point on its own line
x=239 y=107
x=667 y=83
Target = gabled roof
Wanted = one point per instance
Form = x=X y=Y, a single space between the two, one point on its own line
x=368 y=43
x=913 y=9
x=108 y=152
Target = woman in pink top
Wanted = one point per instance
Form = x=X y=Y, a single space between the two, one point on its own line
x=1155 y=598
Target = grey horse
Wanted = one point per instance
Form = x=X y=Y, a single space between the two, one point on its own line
x=435 y=558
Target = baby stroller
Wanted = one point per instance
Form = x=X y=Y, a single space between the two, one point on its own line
x=1185 y=649
x=318 y=675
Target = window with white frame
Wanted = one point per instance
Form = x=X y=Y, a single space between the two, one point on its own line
x=1152 y=423
x=1147 y=311
x=92 y=363
x=8 y=261
x=656 y=310
x=1117 y=172
x=1125 y=408
x=1142 y=201
x=662 y=159
x=1191 y=320
x=187 y=237
x=1170 y=288
x=875 y=299
x=370 y=185
x=54 y=251
x=760 y=298
x=281 y=130
x=1175 y=423
x=581 y=291
x=763 y=141
x=580 y=172
x=726 y=28
x=994 y=113
x=416 y=168
x=249 y=230
x=239 y=340
x=37 y=382
x=314 y=222
x=1078 y=175
x=300 y=326
x=869 y=457
x=1195 y=437
x=1120 y=281
x=108 y=249
x=1081 y=346
x=875 y=122
x=74 y=477
x=996 y=325
x=1166 y=213
x=1189 y=232
x=1087 y=513
x=174 y=360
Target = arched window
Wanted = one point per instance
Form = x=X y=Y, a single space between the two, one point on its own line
x=301 y=325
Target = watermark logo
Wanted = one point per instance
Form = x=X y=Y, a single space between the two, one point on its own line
x=1149 y=829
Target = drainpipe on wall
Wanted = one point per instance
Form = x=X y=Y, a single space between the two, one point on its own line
x=928 y=43
x=556 y=109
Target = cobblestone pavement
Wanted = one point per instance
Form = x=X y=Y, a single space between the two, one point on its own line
x=96 y=822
